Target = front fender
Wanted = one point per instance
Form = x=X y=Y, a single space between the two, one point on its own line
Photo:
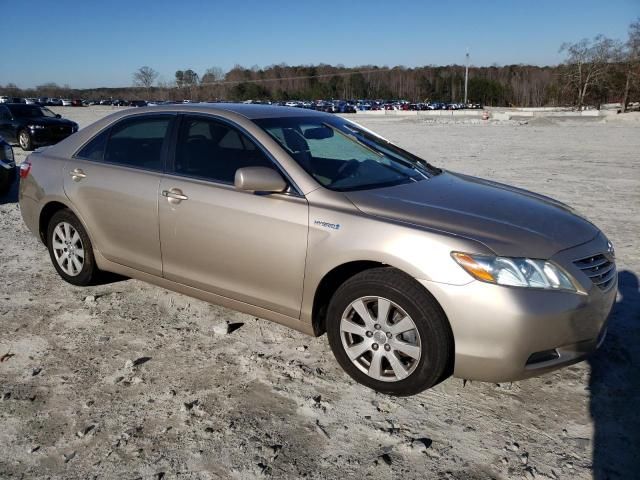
x=423 y=254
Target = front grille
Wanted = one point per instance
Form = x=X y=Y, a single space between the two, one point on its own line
x=599 y=269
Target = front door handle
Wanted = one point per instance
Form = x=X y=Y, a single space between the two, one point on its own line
x=174 y=195
x=77 y=174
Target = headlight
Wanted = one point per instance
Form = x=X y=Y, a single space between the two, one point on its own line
x=6 y=153
x=74 y=128
x=36 y=127
x=515 y=272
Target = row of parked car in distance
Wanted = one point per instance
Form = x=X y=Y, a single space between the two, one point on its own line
x=350 y=106
x=330 y=106
x=76 y=102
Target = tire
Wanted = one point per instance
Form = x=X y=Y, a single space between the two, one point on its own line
x=429 y=338
x=25 y=141
x=83 y=271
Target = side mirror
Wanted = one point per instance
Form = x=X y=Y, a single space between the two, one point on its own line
x=259 y=179
x=58 y=115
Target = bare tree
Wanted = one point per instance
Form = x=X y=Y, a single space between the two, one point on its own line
x=522 y=85
x=12 y=90
x=212 y=75
x=50 y=89
x=144 y=77
x=210 y=86
x=631 y=60
x=588 y=62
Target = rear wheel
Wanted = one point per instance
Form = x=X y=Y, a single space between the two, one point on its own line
x=388 y=333
x=70 y=249
x=25 y=140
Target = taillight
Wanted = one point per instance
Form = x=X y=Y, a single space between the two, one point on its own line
x=25 y=168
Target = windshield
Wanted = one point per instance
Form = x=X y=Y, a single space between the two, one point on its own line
x=31 y=111
x=343 y=156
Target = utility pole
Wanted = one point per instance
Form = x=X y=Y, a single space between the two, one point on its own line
x=466 y=79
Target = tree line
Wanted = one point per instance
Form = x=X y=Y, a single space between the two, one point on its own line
x=595 y=71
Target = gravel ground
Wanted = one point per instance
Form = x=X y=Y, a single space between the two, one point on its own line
x=126 y=380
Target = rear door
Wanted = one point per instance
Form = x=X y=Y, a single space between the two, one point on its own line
x=113 y=182
x=246 y=246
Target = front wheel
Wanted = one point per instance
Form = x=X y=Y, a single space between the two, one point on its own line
x=25 y=141
x=70 y=249
x=388 y=333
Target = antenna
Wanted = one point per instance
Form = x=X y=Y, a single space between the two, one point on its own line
x=466 y=78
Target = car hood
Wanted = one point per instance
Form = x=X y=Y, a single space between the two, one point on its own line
x=46 y=121
x=510 y=221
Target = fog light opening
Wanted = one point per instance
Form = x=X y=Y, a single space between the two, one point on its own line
x=543 y=356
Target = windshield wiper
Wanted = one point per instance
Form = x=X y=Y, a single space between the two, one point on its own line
x=413 y=166
x=417 y=161
x=400 y=172
x=380 y=154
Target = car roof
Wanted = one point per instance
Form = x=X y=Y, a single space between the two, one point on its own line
x=250 y=111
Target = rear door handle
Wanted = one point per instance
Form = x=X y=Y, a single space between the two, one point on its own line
x=174 y=195
x=77 y=174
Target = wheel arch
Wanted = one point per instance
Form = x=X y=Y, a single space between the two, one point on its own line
x=333 y=279
x=339 y=274
x=49 y=210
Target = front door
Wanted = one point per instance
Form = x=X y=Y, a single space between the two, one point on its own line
x=113 y=182
x=241 y=245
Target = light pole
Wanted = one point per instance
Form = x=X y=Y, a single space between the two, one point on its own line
x=466 y=79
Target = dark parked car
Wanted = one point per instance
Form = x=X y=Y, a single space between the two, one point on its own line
x=4 y=99
x=7 y=167
x=138 y=103
x=346 y=108
x=32 y=125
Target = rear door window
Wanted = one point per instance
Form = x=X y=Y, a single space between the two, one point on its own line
x=138 y=142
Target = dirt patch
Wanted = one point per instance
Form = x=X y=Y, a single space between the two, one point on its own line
x=137 y=382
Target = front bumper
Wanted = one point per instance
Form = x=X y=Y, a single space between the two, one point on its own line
x=49 y=135
x=8 y=170
x=508 y=333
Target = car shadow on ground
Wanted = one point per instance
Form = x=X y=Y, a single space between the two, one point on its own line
x=615 y=388
x=12 y=195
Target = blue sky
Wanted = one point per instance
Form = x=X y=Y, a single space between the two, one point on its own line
x=87 y=43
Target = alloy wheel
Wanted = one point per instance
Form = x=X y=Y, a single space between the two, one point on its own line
x=24 y=140
x=68 y=249
x=380 y=339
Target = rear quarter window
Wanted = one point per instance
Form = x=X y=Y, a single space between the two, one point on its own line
x=94 y=150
